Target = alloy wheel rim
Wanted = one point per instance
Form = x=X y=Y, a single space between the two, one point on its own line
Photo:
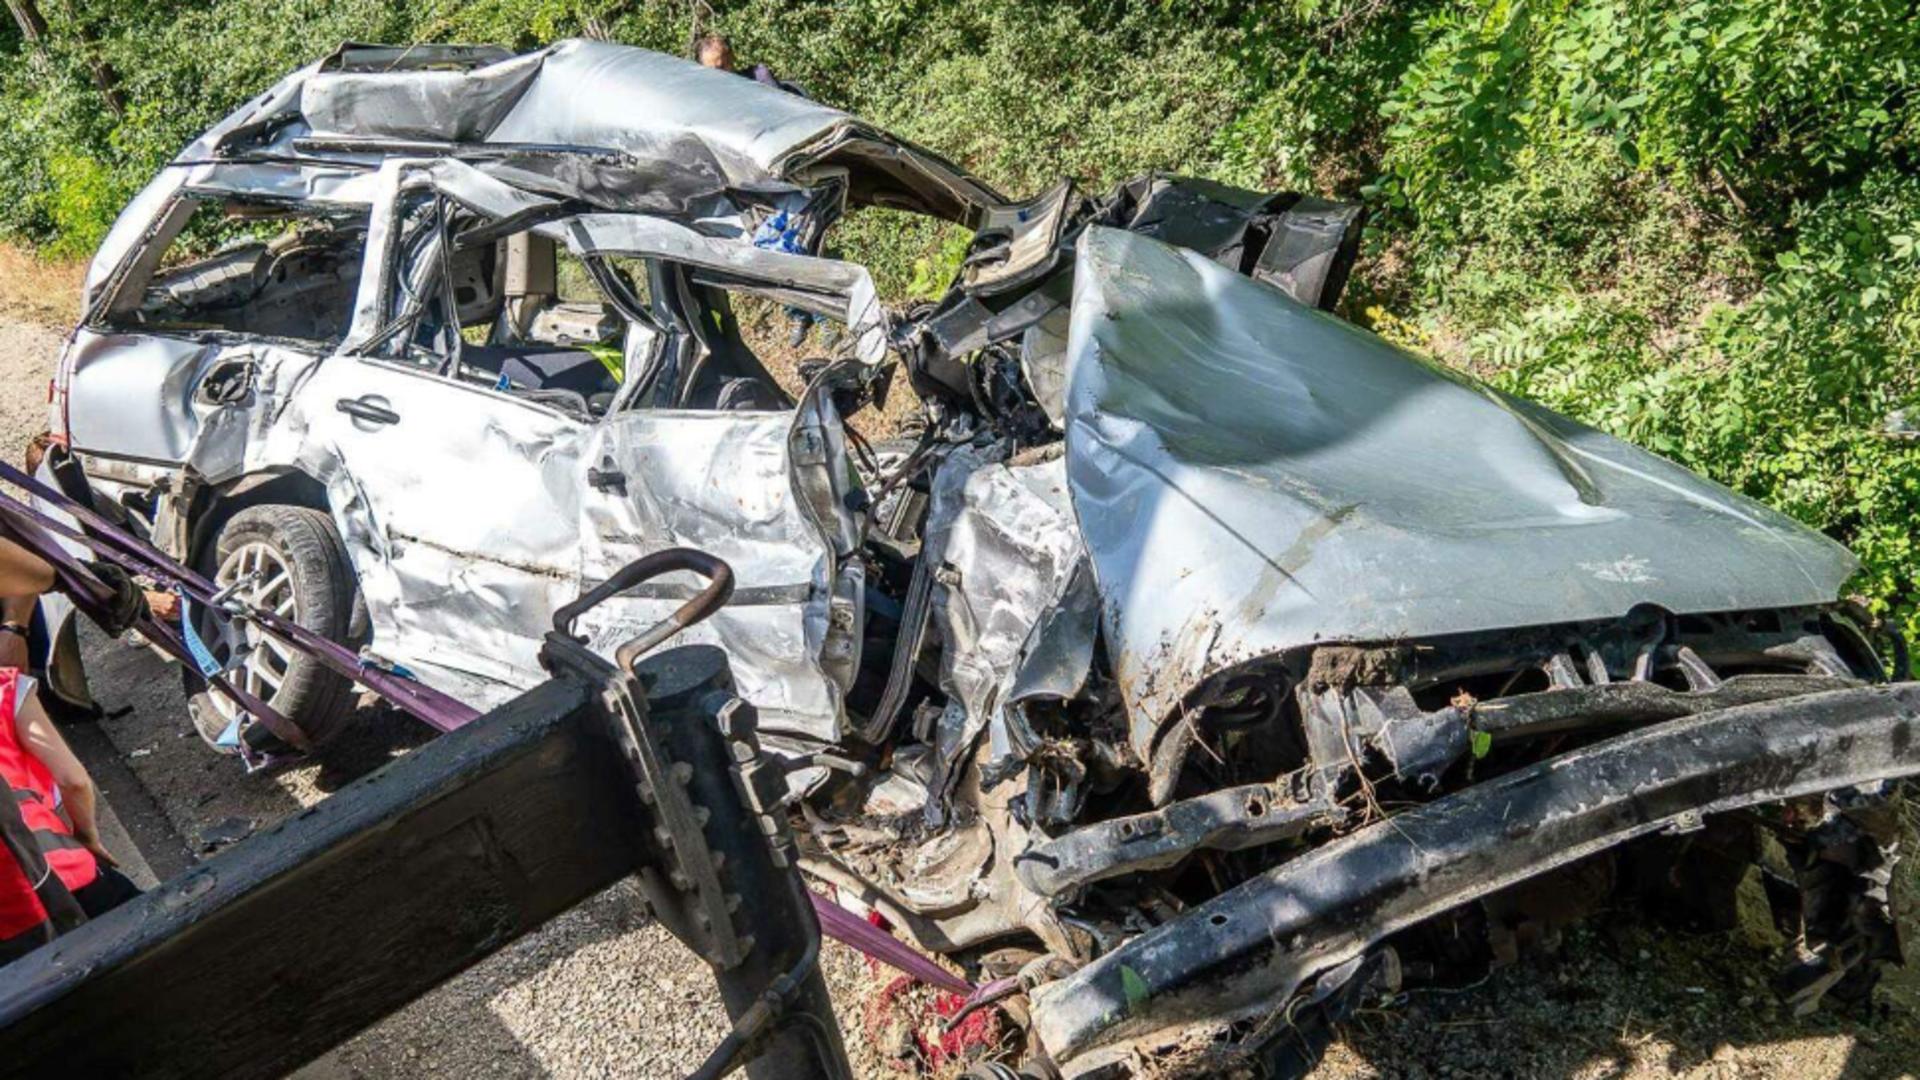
x=270 y=589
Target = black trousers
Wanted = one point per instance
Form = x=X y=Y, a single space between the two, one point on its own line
x=106 y=892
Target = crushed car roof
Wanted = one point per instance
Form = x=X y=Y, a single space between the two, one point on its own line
x=608 y=127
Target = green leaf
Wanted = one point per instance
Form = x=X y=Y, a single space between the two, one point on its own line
x=1482 y=743
x=1134 y=987
x=1788 y=260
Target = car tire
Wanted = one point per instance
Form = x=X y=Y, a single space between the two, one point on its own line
x=305 y=574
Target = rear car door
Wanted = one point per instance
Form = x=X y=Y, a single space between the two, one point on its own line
x=453 y=483
x=456 y=505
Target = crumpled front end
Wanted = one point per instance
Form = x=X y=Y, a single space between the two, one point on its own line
x=1252 y=952
x=1254 y=948
x=1257 y=656
x=1253 y=476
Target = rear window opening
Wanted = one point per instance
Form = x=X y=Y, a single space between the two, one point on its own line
x=254 y=269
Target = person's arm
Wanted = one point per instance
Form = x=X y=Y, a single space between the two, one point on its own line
x=16 y=615
x=41 y=739
x=22 y=573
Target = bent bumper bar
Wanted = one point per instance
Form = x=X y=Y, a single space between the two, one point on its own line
x=1252 y=946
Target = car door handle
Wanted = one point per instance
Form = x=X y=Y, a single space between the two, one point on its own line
x=607 y=478
x=372 y=410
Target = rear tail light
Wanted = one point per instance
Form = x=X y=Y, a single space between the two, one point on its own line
x=57 y=408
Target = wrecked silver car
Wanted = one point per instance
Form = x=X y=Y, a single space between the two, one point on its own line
x=1198 y=663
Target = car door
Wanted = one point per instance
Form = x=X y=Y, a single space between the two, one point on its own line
x=458 y=509
x=455 y=493
x=736 y=485
x=766 y=486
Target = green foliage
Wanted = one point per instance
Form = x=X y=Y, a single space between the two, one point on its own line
x=82 y=200
x=933 y=273
x=1771 y=100
x=1690 y=222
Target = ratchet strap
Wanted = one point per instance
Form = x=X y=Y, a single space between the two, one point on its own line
x=36 y=531
x=849 y=929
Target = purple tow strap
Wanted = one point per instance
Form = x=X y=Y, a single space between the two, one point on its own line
x=989 y=993
x=29 y=527
x=422 y=702
x=849 y=929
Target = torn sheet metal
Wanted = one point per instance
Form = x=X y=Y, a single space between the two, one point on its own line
x=1247 y=950
x=1253 y=476
x=725 y=483
x=1007 y=556
x=1199 y=215
x=1310 y=250
x=1017 y=279
x=239 y=405
x=614 y=127
x=712 y=127
x=848 y=284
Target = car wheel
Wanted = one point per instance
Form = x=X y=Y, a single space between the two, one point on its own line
x=293 y=563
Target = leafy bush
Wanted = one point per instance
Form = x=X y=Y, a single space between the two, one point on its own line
x=1691 y=222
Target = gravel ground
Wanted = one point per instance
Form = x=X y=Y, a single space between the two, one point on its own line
x=602 y=991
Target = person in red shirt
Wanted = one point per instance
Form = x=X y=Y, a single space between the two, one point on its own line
x=54 y=871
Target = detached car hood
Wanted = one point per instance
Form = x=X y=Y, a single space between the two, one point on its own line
x=1252 y=475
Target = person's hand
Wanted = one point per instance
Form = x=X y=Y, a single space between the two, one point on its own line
x=37 y=451
x=100 y=852
x=128 y=603
x=165 y=606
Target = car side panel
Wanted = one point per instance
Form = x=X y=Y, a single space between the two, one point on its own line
x=131 y=395
x=728 y=484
